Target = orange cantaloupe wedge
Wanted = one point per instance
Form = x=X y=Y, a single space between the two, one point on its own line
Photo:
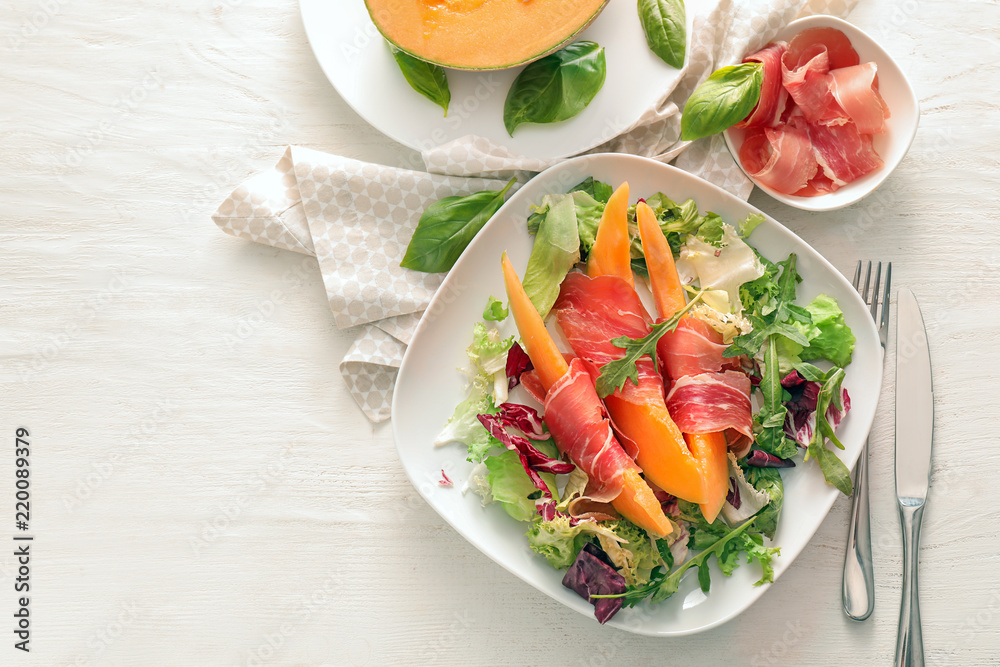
x=709 y=448
x=482 y=34
x=610 y=254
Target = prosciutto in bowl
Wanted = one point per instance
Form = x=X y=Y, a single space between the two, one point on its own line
x=835 y=116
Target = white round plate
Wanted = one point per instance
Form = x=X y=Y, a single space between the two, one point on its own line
x=428 y=388
x=901 y=126
x=357 y=62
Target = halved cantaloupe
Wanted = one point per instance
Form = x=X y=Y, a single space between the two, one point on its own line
x=482 y=34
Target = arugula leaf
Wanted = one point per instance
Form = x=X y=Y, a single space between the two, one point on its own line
x=615 y=373
x=556 y=87
x=722 y=100
x=426 y=78
x=447 y=227
x=495 y=310
x=664 y=23
x=834 y=470
x=772 y=415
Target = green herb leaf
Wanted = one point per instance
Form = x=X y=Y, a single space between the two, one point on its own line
x=447 y=227
x=556 y=87
x=663 y=21
x=772 y=438
x=724 y=99
x=834 y=470
x=615 y=373
x=599 y=190
x=426 y=78
x=767 y=480
x=495 y=310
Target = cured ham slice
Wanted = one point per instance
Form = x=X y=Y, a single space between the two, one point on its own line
x=772 y=94
x=592 y=311
x=711 y=402
x=856 y=91
x=838 y=47
x=780 y=158
x=582 y=430
x=843 y=153
x=693 y=347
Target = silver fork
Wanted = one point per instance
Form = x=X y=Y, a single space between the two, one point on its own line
x=859 y=579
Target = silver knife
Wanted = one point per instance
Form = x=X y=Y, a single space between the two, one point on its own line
x=914 y=435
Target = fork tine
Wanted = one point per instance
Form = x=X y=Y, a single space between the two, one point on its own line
x=857 y=276
x=884 y=322
x=865 y=294
x=875 y=292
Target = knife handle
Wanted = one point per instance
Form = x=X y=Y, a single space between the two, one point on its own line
x=859 y=578
x=909 y=642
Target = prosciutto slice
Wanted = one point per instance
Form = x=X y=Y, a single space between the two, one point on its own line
x=711 y=402
x=843 y=153
x=772 y=94
x=837 y=46
x=693 y=347
x=581 y=429
x=856 y=91
x=780 y=158
x=592 y=311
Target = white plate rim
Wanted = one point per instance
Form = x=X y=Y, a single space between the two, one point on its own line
x=863 y=421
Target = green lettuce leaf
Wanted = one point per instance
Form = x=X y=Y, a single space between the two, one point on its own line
x=556 y=540
x=834 y=340
x=767 y=480
x=556 y=251
x=511 y=487
x=495 y=310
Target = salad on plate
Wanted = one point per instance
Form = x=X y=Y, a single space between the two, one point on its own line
x=662 y=374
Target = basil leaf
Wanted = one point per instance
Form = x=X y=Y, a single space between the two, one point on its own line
x=663 y=21
x=447 y=226
x=426 y=78
x=556 y=87
x=724 y=99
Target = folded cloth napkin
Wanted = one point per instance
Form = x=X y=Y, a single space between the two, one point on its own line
x=356 y=218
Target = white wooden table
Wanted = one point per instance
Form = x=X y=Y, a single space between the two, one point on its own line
x=205 y=491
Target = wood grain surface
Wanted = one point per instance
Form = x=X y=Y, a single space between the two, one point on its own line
x=205 y=491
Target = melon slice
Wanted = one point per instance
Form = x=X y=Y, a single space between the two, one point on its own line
x=482 y=34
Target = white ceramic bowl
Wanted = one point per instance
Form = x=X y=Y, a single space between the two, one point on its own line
x=901 y=126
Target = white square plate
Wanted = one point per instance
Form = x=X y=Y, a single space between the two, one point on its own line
x=428 y=388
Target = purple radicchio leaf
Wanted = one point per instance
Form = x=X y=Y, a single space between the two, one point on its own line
x=525 y=419
x=733 y=497
x=536 y=460
x=517 y=363
x=800 y=422
x=761 y=459
x=592 y=574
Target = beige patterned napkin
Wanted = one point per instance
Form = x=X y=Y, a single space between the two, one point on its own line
x=356 y=218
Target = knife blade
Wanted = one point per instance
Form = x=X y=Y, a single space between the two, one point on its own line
x=914 y=439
